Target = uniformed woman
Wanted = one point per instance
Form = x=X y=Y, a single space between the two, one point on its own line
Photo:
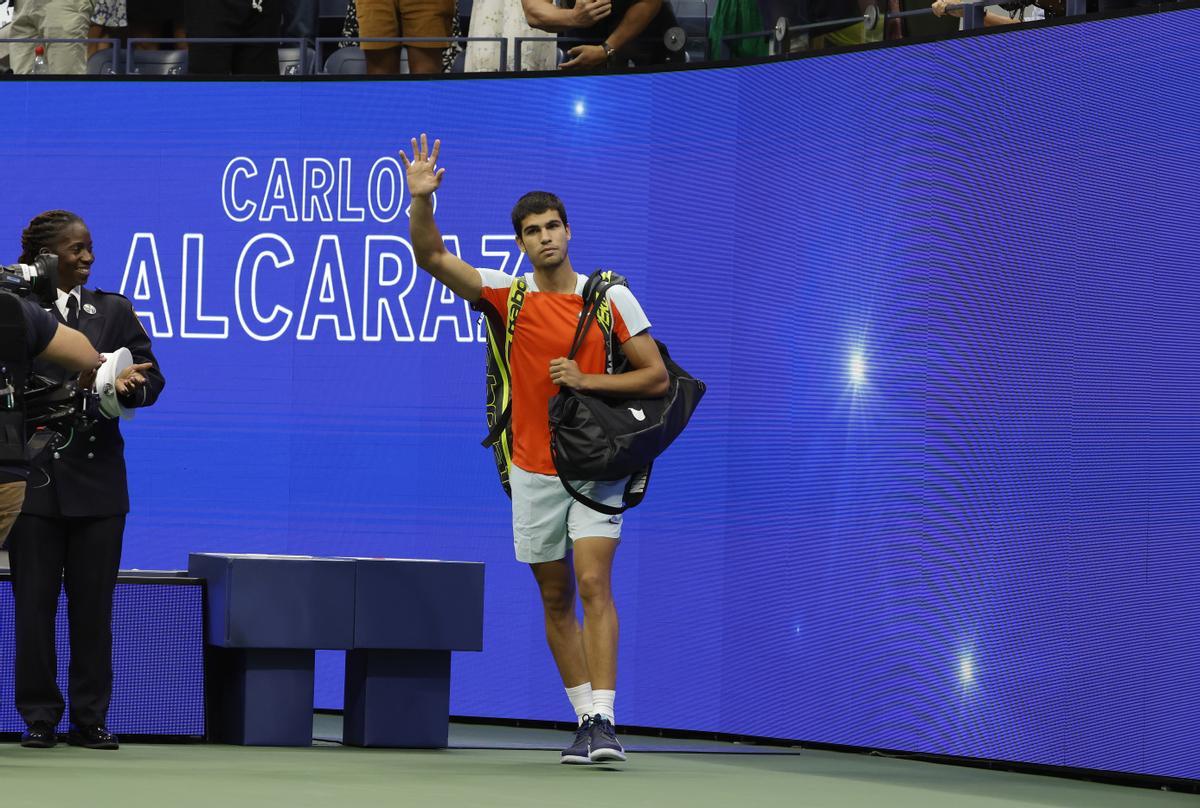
x=73 y=518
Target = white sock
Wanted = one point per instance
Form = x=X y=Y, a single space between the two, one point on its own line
x=581 y=700
x=603 y=703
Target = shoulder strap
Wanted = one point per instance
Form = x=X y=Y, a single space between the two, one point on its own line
x=595 y=306
x=516 y=299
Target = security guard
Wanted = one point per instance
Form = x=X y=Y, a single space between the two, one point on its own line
x=71 y=526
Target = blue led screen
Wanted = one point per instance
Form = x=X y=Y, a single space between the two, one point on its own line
x=158 y=659
x=941 y=495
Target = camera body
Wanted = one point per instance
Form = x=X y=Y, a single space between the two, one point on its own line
x=31 y=405
x=39 y=279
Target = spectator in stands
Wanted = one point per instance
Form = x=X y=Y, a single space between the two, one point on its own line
x=1007 y=14
x=802 y=12
x=137 y=19
x=737 y=17
x=151 y=19
x=301 y=19
x=405 y=18
x=229 y=19
x=53 y=19
x=108 y=20
x=350 y=31
x=5 y=26
x=506 y=18
x=615 y=31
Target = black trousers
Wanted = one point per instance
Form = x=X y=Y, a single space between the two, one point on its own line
x=84 y=554
x=234 y=18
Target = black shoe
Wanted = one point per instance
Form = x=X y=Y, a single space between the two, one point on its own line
x=40 y=735
x=605 y=748
x=92 y=738
x=578 y=751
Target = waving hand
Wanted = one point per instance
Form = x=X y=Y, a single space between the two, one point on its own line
x=424 y=176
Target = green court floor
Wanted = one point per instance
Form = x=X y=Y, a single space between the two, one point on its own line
x=525 y=773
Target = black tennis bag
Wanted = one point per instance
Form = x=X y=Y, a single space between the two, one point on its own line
x=596 y=437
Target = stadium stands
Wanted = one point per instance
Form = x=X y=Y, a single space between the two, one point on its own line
x=335 y=53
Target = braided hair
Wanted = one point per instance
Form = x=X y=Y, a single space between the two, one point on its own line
x=43 y=230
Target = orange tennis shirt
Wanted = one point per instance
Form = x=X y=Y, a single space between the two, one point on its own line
x=545 y=327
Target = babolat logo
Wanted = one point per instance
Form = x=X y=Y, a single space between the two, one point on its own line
x=604 y=315
x=514 y=305
x=603 y=312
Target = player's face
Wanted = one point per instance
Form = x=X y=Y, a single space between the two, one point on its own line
x=544 y=239
x=74 y=251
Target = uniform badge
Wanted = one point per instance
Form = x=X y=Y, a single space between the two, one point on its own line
x=88 y=308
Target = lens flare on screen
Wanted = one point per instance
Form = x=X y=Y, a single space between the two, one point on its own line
x=580 y=108
x=858 y=368
x=966 y=669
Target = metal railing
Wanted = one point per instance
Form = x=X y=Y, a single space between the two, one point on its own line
x=321 y=42
x=113 y=43
x=520 y=42
x=781 y=35
x=783 y=39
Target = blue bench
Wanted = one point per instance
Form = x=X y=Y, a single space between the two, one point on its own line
x=398 y=620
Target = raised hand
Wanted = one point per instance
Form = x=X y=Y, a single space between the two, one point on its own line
x=590 y=12
x=424 y=176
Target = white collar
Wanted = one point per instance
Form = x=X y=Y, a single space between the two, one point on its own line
x=76 y=293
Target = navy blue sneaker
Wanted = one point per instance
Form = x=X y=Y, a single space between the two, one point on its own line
x=605 y=747
x=578 y=751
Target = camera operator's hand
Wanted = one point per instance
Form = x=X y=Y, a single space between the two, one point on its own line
x=132 y=378
x=87 y=379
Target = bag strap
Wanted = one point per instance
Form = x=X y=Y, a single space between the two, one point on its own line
x=517 y=293
x=578 y=495
x=594 y=303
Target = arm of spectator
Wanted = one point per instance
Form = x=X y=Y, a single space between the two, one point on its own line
x=545 y=16
x=428 y=246
x=636 y=18
x=72 y=350
x=639 y=15
x=944 y=7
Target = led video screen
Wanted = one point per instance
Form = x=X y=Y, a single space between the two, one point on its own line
x=942 y=493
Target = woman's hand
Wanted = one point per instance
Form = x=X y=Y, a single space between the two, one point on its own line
x=132 y=378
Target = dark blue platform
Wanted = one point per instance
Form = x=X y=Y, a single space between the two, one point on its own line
x=409 y=614
x=399 y=620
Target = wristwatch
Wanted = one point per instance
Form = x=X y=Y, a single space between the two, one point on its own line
x=608 y=50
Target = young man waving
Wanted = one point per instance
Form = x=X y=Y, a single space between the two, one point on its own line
x=568 y=546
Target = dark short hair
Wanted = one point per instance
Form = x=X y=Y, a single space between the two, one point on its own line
x=536 y=202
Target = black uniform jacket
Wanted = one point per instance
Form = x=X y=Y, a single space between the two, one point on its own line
x=87 y=475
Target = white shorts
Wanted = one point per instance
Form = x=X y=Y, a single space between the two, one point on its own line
x=547 y=520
